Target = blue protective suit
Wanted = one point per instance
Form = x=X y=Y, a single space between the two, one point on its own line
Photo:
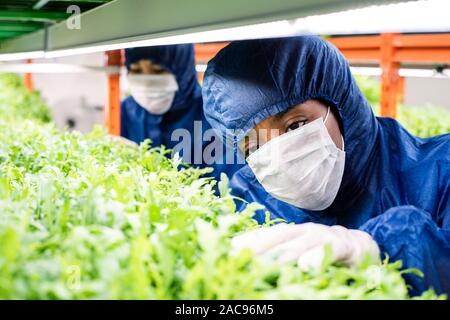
x=395 y=186
x=137 y=124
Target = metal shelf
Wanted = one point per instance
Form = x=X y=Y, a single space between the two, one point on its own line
x=122 y=21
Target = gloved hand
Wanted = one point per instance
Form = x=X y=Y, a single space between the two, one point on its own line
x=306 y=244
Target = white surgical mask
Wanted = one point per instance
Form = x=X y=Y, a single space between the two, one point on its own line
x=153 y=92
x=302 y=167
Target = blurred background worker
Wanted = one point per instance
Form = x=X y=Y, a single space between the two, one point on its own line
x=319 y=155
x=166 y=96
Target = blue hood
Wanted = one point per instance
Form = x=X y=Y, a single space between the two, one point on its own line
x=178 y=60
x=396 y=187
x=241 y=89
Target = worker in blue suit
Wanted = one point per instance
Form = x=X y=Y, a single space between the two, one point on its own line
x=317 y=156
x=166 y=105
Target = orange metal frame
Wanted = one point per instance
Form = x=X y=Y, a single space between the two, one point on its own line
x=388 y=50
x=112 y=109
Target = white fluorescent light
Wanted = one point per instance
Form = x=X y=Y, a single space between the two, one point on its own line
x=22 y=55
x=54 y=68
x=366 y=71
x=413 y=16
x=80 y=51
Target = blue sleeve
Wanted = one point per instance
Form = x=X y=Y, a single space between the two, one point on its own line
x=409 y=234
x=123 y=120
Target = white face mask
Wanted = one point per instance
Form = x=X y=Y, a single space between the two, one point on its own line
x=153 y=92
x=302 y=167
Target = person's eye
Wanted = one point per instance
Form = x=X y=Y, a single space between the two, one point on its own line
x=295 y=125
